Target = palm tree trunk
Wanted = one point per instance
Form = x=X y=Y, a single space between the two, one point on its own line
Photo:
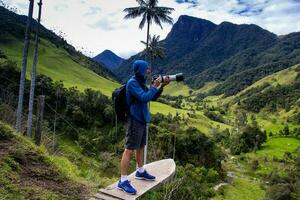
x=147 y=127
x=33 y=73
x=148 y=36
x=24 y=65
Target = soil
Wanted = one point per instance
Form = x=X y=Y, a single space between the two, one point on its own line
x=36 y=173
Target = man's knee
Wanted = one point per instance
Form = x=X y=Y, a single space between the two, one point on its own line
x=128 y=152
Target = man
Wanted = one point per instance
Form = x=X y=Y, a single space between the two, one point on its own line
x=138 y=96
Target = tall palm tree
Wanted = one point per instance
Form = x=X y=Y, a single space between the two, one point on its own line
x=33 y=72
x=150 y=11
x=154 y=49
x=24 y=66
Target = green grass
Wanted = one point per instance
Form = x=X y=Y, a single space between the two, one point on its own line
x=205 y=125
x=157 y=107
x=275 y=122
x=207 y=87
x=80 y=167
x=26 y=170
x=213 y=100
x=278 y=146
x=176 y=89
x=58 y=64
x=242 y=189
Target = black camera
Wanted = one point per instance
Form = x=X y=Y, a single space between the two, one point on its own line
x=177 y=77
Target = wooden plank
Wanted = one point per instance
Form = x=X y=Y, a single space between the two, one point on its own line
x=105 y=197
x=164 y=170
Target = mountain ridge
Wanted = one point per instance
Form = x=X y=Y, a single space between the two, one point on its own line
x=109 y=59
x=190 y=34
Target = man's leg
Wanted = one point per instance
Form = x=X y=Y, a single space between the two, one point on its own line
x=139 y=155
x=125 y=162
x=124 y=184
x=141 y=173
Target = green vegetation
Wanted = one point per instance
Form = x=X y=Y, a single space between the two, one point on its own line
x=276 y=159
x=277 y=147
x=26 y=171
x=241 y=189
x=206 y=87
x=176 y=89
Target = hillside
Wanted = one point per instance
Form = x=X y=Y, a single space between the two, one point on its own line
x=109 y=59
x=29 y=172
x=57 y=59
x=14 y=24
x=59 y=65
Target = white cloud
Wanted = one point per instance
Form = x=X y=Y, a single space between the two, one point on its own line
x=97 y=25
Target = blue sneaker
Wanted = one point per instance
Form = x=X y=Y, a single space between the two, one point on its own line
x=144 y=176
x=126 y=187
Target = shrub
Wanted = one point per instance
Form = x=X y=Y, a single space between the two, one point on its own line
x=250 y=137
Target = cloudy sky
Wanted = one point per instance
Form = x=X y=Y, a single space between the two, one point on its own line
x=96 y=25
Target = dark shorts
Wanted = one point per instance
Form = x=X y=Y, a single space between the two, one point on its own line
x=135 y=134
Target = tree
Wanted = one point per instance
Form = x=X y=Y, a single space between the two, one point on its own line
x=154 y=49
x=24 y=66
x=150 y=12
x=241 y=119
x=33 y=73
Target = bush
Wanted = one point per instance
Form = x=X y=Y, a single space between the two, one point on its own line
x=278 y=192
x=251 y=137
x=5 y=132
x=196 y=148
x=214 y=116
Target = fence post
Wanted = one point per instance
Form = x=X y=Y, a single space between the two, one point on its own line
x=39 y=122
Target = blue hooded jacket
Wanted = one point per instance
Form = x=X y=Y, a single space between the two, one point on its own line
x=138 y=95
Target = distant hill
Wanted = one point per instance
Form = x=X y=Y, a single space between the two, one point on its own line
x=109 y=59
x=237 y=55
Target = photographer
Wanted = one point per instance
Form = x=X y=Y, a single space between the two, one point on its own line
x=138 y=96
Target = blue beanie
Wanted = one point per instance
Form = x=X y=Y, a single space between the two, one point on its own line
x=140 y=66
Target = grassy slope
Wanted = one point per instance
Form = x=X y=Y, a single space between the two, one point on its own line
x=283 y=77
x=176 y=89
x=242 y=189
x=29 y=172
x=207 y=87
x=271 y=122
x=277 y=147
x=57 y=64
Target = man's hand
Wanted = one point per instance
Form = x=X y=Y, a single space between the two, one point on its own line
x=156 y=82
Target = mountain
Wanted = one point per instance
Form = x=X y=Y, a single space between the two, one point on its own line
x=207 y=52
x=109 y=59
